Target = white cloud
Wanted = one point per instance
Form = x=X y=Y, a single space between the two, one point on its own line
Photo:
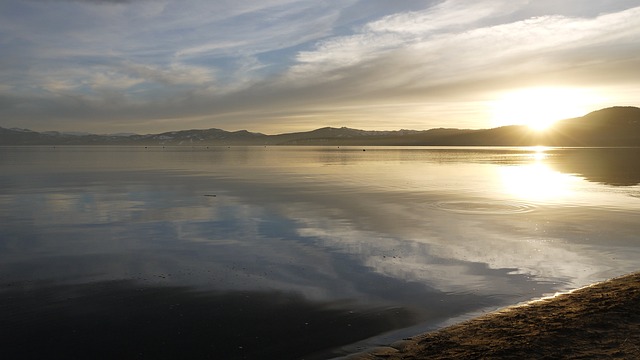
x=209 y=48
x=432 y=58
x=251 y=63
x=399 y=31
x=452 y=15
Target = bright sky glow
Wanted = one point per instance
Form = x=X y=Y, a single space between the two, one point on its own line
x=539 y=108
x=284 y=65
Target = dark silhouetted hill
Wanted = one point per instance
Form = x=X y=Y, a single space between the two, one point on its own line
x=615 y=126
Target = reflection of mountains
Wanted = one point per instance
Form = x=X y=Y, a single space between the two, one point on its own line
x=616 y=126
x=612 y=166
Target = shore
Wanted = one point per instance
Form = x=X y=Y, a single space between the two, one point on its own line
x=595 y=322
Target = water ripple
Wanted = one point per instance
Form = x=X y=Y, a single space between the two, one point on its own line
x=484 y=207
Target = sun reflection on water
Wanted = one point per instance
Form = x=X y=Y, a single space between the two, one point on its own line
x=537 y=181
x=540 y=153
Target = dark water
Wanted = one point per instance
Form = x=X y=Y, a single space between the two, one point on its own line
x=294 y=252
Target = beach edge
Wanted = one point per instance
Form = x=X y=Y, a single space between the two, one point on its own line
x=597 y=320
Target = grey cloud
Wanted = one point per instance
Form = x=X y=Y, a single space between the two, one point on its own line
x=99 y=2
x=165 y=79
x=276 y=102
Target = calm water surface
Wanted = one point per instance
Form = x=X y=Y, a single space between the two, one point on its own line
x=294 y=252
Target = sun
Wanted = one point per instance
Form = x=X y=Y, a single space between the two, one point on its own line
x=538 y=107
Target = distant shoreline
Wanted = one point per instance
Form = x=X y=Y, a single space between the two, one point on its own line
x=597 y=321
x=615 y=126
x=357 y=147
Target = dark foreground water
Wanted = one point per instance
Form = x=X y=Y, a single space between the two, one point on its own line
x=294 y=252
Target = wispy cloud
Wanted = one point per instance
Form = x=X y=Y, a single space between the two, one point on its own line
x=412 y=61
x=287 y=63
x=445 y=54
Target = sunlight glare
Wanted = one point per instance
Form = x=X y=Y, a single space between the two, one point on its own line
x=540 y=107
x=536 y=182
x=540 y=153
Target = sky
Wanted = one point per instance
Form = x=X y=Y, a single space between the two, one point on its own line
x=274 y=66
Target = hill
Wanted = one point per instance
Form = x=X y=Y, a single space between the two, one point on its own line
x=615 y=126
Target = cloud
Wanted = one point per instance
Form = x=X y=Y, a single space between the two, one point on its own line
x=398 y=40
x=448 y=15
x=99 y=2
x=287 y=63
x=408 y=64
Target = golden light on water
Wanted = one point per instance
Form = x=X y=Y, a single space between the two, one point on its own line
x=540 y=154
x=536 y=181
x=540 y=107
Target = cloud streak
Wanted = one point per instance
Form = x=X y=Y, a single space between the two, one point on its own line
x=278 y=65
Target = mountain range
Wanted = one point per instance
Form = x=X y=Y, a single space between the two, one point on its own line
x=614 y=126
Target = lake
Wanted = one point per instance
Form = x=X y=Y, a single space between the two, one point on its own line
x=295 y=252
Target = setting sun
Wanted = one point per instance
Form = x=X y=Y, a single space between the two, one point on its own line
x=540 y=107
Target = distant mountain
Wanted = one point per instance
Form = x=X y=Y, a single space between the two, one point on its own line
x=184 y=137
x=616 y=126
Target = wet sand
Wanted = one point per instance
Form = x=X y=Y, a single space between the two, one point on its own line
x=601 y=321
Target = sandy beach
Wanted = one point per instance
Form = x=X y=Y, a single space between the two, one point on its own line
x=600 y=321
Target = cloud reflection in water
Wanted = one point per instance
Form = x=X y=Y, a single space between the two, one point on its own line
x=438 y=231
